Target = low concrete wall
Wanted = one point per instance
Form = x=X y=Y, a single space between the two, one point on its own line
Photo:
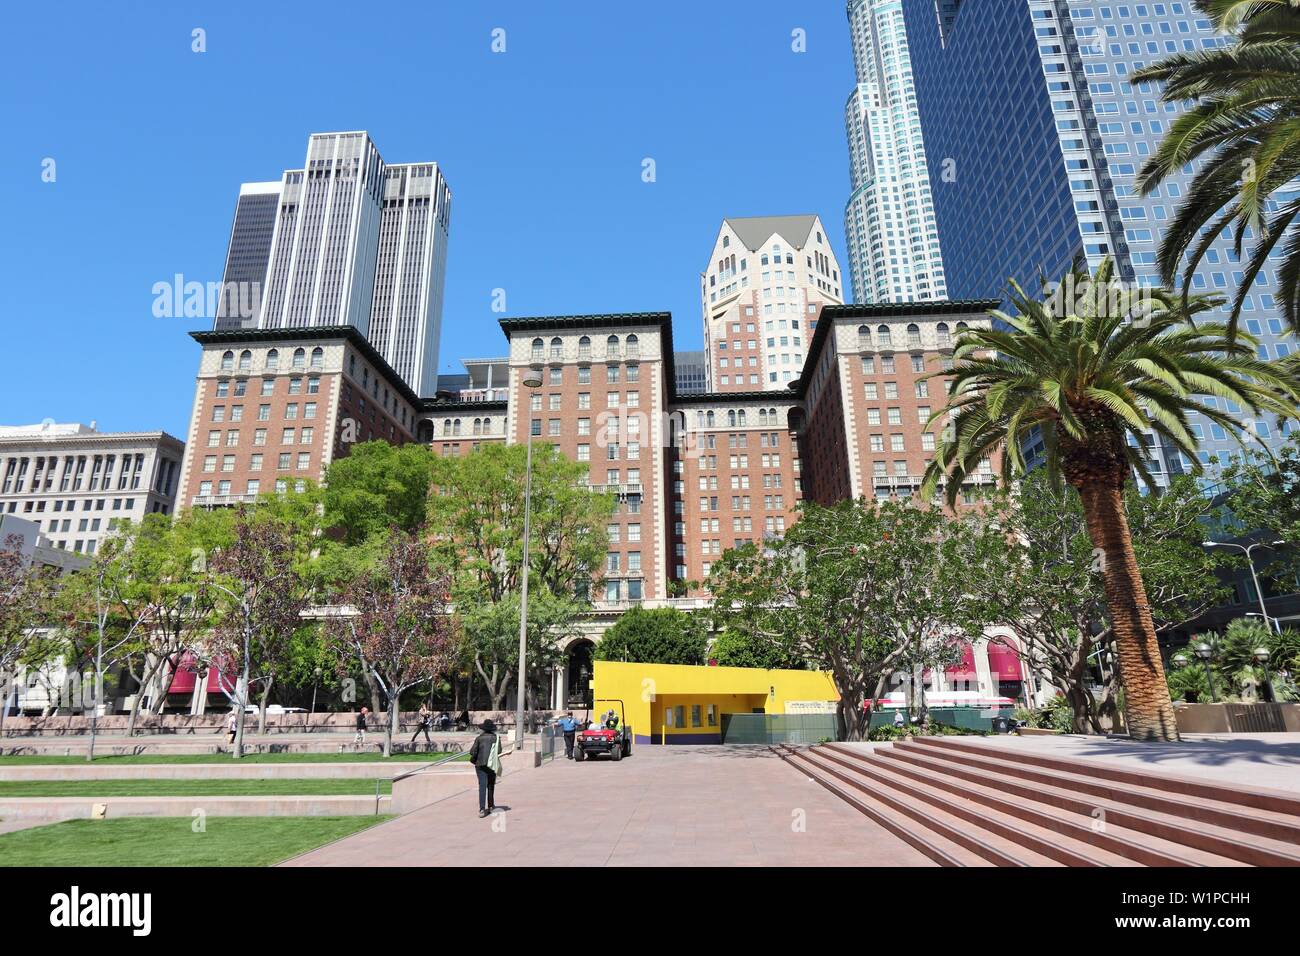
x=1217 y=718
x=429 y=786
x=215 y=723
x=164 y=747
x=51 y=809
x=234 y=770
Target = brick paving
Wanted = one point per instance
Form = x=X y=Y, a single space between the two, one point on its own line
x=674 y=806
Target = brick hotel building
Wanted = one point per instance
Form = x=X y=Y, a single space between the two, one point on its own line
x=695 y=474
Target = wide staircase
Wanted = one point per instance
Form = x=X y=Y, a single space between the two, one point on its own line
x=963 y=803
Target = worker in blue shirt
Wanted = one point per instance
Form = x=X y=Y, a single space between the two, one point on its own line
x=568 y=727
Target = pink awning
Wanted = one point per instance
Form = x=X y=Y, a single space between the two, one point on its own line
x=1004 y=662
x=185 y=676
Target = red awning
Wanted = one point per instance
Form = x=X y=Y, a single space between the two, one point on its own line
x=1004 y=662
x=965 y=671
x=185 y=676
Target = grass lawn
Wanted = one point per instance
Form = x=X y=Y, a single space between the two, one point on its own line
x=169 y=841
x=19 y=760
x=272 y=787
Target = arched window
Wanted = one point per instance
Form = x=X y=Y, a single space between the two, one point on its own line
x=245 y=360
x=762 y=416
x=961 y=327
x=771 y=415
x=864 y=337
x=882 y=336
x=709 y=419
x=943 y=335
x=446 y=427
x=273 y=359
x=539 y=349
x=584 y=347
x=299 y=358
x=227 y=361
x=318 y=357
x=455 y=427
x=611 y=346
x=913 y=336
x=557 y=348
x=633 y=346
x=699 y=419
x=478 y=426
x=740 y=418
x=731 y=418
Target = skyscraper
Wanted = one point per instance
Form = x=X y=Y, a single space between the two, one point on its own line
x=355 y=242
x=889 y=223
x=1031 y=102
x=760 y=293
x=247 y=254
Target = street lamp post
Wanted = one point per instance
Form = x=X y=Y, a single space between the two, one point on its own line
x=533 y=380
x=1261 y=656
x=1205 y=652
x=1246 y=550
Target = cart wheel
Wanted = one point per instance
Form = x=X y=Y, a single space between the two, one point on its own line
x=616 y=752
x=579 y=754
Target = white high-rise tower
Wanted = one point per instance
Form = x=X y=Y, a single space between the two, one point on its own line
x=889 y=225
x=363 y=244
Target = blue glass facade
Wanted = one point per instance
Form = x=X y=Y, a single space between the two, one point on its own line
x=1030 y=101
x=1001 y=193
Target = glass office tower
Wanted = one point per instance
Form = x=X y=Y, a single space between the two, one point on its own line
x=1028 y=104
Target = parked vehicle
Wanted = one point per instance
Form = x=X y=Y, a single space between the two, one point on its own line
x=600 y=739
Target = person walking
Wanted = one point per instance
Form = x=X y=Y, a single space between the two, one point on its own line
x=360 y=737
x=484 y=754
x=426 y=717
x=232 y=725
x=568 y=727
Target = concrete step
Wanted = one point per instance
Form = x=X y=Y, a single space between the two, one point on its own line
x=1150 y=794
x=51 y=809
x=924 y=833
x=1132 y=847
x=1260 y=798
x=1220 y=841
x=1038 y=844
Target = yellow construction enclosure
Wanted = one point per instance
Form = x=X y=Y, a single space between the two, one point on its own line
x=688 y=704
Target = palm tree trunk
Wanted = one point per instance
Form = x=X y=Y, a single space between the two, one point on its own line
x=1148 y=711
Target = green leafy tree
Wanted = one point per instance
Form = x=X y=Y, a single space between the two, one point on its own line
x=476 y=517
x=377 y=486
x=490 y=638
x=1242 y=134
x=864 y=589
x=1264 y=496
x=735 y=648
x=1098 y=366
x=28 y=595
x=654 y=636
x=1049 y=589
x=1235 y=656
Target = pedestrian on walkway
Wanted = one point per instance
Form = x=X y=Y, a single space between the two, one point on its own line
x=426 y=717
x=360 y=737
x=232 y=725
x=485 y=755
x=568 y=727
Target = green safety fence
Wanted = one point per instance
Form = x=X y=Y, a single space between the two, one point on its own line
x=778 y=728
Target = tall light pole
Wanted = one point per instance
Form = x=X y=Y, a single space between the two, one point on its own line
x=533 y=380
x=1244 y=549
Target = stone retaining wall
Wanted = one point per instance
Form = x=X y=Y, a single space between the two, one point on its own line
x=215 y=723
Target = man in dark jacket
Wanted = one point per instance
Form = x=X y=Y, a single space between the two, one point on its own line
x=479 y=753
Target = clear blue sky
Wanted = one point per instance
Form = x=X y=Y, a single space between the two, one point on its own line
x=542 y=147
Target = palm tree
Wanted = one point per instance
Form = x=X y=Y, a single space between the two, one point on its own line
x=1245 y=130
x=1097 y=367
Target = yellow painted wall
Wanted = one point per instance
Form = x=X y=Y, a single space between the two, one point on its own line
x=647 y=689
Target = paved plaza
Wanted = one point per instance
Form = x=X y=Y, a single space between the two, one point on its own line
x=673 y=806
